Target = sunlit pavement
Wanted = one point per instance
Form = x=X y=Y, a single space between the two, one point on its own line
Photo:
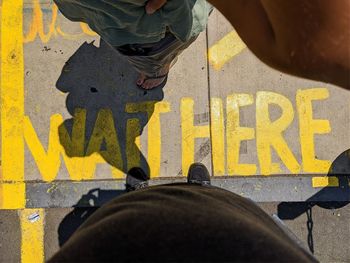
x=73 y=122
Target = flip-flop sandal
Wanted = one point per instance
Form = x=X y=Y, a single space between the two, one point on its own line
x=161 y=85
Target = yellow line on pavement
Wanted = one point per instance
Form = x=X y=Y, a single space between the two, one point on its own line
x=32 y=230
x=225 y=49
x=12 y=105
x=0 y=183
x=325 y=181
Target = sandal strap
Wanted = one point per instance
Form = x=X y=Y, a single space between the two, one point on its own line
x=158 y=77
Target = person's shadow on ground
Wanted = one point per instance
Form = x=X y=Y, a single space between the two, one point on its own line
x=109 y=111
x=340 y=195
x=86 y=206
x=340 y=169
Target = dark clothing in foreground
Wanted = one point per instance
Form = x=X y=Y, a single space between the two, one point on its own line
x=181 y=222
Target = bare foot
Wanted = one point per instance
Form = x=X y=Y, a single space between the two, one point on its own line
x=148 y=83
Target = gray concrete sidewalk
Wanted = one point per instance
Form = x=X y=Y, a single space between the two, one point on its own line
x=221 y=106
x=229 y=99
x=261 y=133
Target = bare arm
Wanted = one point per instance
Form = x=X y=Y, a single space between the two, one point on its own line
x=307 y=38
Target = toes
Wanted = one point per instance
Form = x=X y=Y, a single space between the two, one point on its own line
x=139 y=82
x=147 y=85
x=150 y=84
x=141 y=79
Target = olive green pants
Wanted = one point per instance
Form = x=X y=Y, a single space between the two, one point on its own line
x=155 y=59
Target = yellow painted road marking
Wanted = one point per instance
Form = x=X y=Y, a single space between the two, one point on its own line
x=270 y=134
x=309 y=127
x=154 y=137
x=225 y=49
x=325 y=181
x=0 y=180
x=32 y=230
x=190 y=132
x=46 y=30
x=133 y=143
x=217 y=129
x=12 y=105
x=235 y=134
x=153 y=110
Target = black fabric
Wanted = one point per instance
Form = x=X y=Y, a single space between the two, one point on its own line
x=147 y=49
x=180 y=223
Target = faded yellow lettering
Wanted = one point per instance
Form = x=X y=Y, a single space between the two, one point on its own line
x=87 y=30
x=37 y=25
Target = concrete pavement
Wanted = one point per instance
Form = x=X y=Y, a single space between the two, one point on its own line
x=72 y=120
